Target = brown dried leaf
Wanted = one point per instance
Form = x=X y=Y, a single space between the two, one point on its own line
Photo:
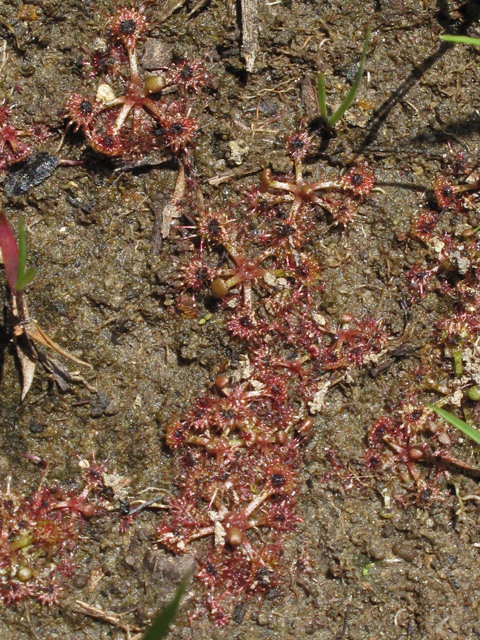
x=35 y=332
x=28 y=363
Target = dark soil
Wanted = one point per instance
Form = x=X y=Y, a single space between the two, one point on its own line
x=354 y=573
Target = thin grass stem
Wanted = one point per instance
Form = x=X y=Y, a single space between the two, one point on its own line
x=22 y=249
x=24 y=277
x=461 y=40
x=321 y=95
x=462 y=426
x=335 y=117
x=161 y=624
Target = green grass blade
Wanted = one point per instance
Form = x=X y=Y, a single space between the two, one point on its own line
x=461 y=40
x=161 y=624
x=24 y=277
x=334 y=118
x=465 y=428
x=321 y=95
x=22 y=252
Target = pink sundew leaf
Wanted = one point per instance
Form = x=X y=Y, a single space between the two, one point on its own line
x=8 y=245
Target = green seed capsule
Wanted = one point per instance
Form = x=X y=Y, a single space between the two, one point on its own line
x=155 y=84
x=234 y=537
x=24 y=574
x=457 y=363
x=219 y=288
x=474 y=393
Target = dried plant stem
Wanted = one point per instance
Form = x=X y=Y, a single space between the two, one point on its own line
x=111 y=618
x=250 y=33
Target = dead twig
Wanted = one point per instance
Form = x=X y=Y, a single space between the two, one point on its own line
x=78 y=204
x=290 y=87
x=32 y=628
x=250 y=24
x=233 y=173
x=36 y=333
x=10 y=29
x=170 y=10
x=197 y=7
x=26 y=333
x=149 y=161
x=148 y=503
x=4 y=56
x=61 y=375
x=106 y=616
x=156 y=207
x=172 y=210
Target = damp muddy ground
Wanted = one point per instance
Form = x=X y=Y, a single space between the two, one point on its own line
x=101 y=271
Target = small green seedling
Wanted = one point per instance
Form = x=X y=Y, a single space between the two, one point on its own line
x=461 y=40
x=161 y=624
x=465 y=428
x=335 y=117
x=457 y=362
x=25 y=276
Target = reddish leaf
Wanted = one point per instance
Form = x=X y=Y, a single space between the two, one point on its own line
x=8 y=245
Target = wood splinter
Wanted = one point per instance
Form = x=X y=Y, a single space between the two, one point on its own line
x=250 y=26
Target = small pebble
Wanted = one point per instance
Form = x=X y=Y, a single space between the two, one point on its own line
x=404 y=551
x=36 y=427
x=239 y=612
x=221 y=382
x=24 y=574
x=158 y=54
x=262 y=619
